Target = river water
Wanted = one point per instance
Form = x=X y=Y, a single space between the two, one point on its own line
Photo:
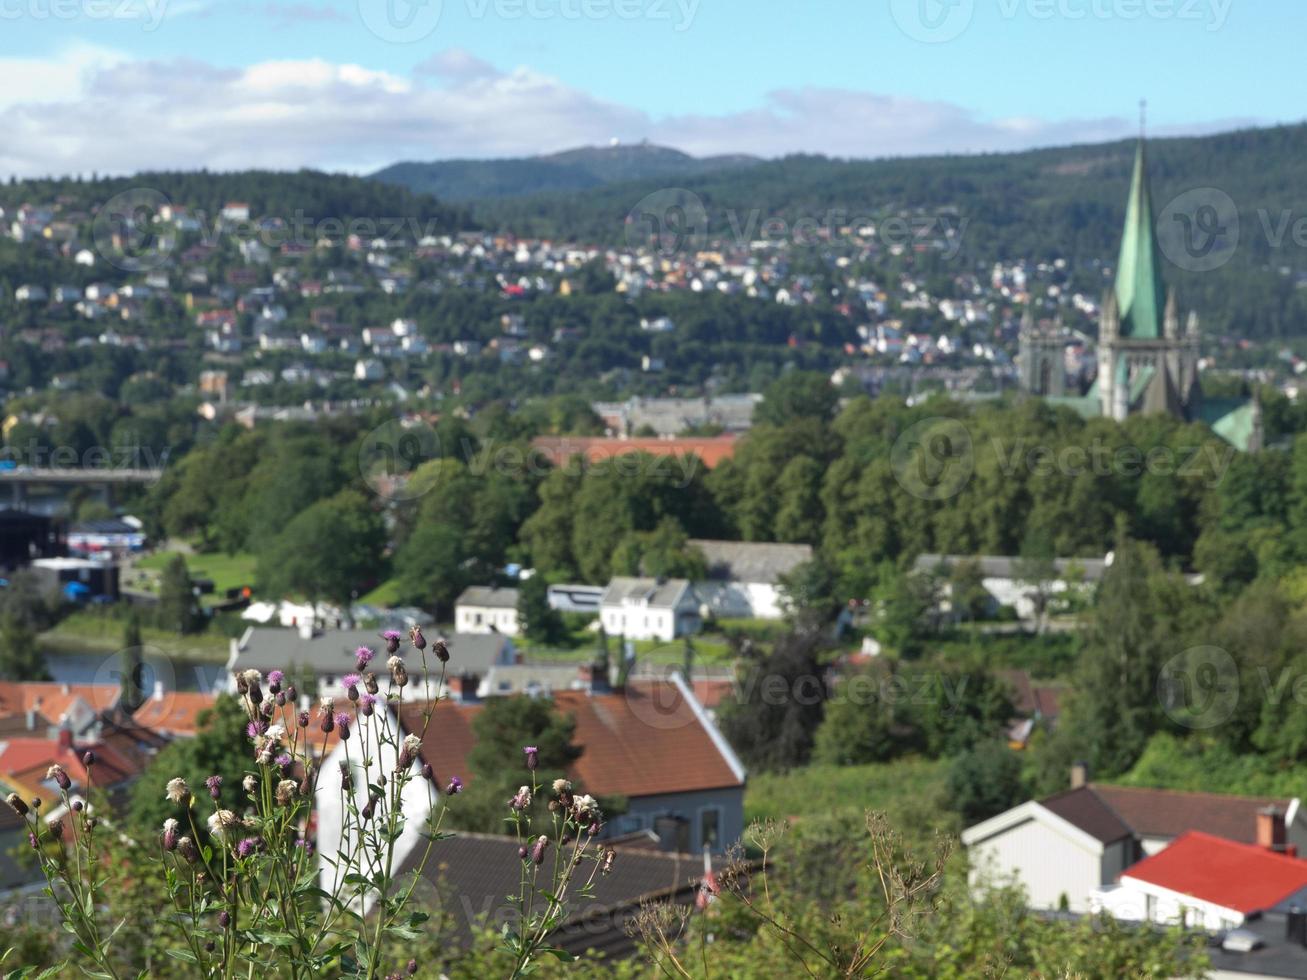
x=106 y=668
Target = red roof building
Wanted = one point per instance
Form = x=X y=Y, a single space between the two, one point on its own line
x=559 y=450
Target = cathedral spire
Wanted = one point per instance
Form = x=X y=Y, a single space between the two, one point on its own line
x=1140 y=293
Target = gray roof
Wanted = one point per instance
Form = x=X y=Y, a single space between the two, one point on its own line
x=992 y=566
x=488 y=597
x=655 y=593
x=332 y=652
x=751 y=561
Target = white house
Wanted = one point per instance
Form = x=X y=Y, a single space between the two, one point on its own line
x=1206 y=882
x=1011 y=582
x=744 y=576
x=1067 y=848
x=650 y=609
x=486 y=609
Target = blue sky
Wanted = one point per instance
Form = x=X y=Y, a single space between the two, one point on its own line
x=120 y=85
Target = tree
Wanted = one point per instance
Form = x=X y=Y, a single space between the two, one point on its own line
x=772 y=720
x=178 y=610
x=985 y=780
x=132 y=680
x=220 y=747
x=538 y=622
x=330 y=551
x=502 y=729
x=797 y=395
x=20 y=658
x=860 y=725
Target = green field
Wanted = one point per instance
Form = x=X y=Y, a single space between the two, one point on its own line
x=89 y=630
x=226 y=571
x=908 y=789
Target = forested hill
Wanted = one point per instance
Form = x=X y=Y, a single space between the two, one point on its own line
x=573 y=170
x=285 y=195
x=1065 y=201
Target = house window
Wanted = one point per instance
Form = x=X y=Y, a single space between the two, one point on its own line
x=628 y=823
x=710 y=827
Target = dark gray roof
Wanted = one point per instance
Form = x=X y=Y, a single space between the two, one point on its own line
x=474 y=874
x=656 y=593
x=996 y=566
x=751 y=561
x=488 y=596
x=332 y=652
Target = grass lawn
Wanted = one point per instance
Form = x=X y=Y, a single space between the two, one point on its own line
x=93 y=631
x=385 y=595
x=226 y=571
x=905 y=785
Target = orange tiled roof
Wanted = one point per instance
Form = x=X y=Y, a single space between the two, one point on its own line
x=559 y=449
x=175 y=712
x=53 y=699
x=646 y=741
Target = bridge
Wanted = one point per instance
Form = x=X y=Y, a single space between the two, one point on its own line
x=23 y=481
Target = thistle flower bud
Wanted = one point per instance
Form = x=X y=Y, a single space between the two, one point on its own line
x=291 y=694
x=392 y=638
x=350 y=682
x=178 y=792
x=286 y=790
x=398 y=671
x=247 y=847
x=522 y=852
x=253 y=692
x=281 y=699
x=538 y=851
x=428 y=773
x=56 y=829
x=170 y=834
x=408 y=750
x=306 y=781
x=370 y=683
x=275 y=677
x=303 y=719
x=418 y=640
x=367 y=704
x=56 y=772
x=186 y=848
x=342 y=723
x=88 y=758
x=532 y=757
x=214 y=783
x=412 y=968
x=78 y=806
x=441 y=651
x=31 y=839
x=521 y=800
x=267 y=709
x=328 y=724
x=224 y=918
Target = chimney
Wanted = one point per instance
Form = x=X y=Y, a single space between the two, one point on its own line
x=306 y=629
x=1079 y=775
x=1270 y=829
x=467 y=687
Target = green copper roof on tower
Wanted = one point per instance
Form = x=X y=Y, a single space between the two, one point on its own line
x=1140 y=293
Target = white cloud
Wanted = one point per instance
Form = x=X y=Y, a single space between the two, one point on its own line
x=90 y=109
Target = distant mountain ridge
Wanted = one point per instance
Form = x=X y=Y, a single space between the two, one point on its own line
x=579 y=169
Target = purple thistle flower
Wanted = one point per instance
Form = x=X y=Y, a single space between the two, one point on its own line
x=284 y=763
x=532 y=757
x=392 y=638
x=419 y=641
x=275 y=677
x=342 y=722
x=224 y=918
x=31 y=839
x=412 y=967
x=350 y=682
x=252 y=729
x=281 y=699
x=522 y=852
x=455 y=786
x=247 y=847
x=215 y=785
x=303 y=719
x=363 y=656
x=538 y=851
x=366 y=704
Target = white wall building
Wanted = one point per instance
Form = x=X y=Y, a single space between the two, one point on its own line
x=486 y=609
x=650 y=609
